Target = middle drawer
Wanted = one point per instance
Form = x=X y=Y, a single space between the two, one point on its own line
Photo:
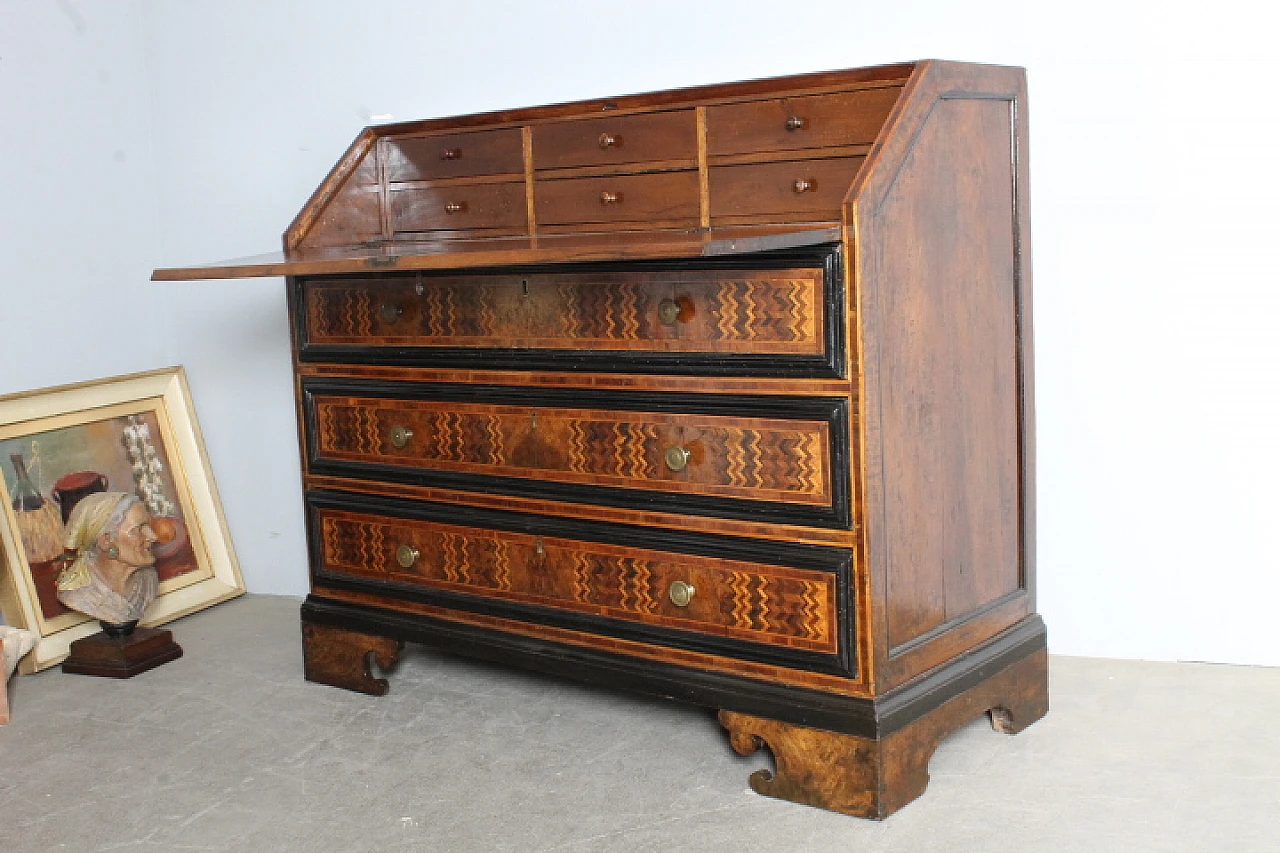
x=780 y=458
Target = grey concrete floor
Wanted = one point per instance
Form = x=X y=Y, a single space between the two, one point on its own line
x=229 y=749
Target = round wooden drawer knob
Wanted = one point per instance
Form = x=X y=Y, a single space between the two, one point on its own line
x=455 y=207
x=400 y=437
x=406 y=556
x=677 y=458
x=389 y=312
x=609 y=140
x=607 y=197
x=802 y=186
x=451 y=154
x=797 y=123
x=681 y=593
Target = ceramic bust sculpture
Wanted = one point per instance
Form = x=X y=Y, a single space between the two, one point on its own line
x=112 y=576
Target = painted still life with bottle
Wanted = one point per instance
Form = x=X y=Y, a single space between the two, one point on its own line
x=48 y=473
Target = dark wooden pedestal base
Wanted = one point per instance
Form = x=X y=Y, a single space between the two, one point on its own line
x=342 y=658
x=122 y=657
x=874 y=777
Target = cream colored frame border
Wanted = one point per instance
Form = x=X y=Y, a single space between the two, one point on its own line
x=169 y=388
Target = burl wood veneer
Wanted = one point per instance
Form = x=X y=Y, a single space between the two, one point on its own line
x=721 y=394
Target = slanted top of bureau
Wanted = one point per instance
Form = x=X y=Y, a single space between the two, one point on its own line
x=709 y=170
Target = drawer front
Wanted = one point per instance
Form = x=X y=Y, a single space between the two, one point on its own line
x=788 y=124
x=466 y=207
x=654 y=137
x=774 y=311
x=670 y=198
x=812 y=189
x=655 y=451
x=454 y=155
x=729 y=602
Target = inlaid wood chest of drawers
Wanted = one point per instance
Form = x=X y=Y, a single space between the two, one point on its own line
x=720 y=394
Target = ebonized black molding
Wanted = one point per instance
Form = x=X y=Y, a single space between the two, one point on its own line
x=833 y=410
x=830 y=364
x=801 y=706
x=834 y=561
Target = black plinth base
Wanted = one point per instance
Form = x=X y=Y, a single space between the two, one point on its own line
x=122 y=656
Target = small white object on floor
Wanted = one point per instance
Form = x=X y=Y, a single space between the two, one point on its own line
x=14 y=643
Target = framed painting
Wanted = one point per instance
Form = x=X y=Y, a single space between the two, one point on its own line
x=135 y=434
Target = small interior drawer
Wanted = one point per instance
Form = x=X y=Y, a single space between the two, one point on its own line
x=787 y=124
x=668 y=197
x=454 y=208
x=809 y=189
x=610 y=141
x=454 y=155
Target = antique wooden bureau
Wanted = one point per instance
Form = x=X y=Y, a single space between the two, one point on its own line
x=722 y=394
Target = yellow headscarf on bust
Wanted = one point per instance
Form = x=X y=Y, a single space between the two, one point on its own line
x=88 y=519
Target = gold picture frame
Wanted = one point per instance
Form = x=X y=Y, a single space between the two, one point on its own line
x=135 y=433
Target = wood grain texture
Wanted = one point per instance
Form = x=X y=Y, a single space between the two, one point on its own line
x=753 y=458
x=873 y=778
x=773 y=604
x=942 y=338
x=816 y=121
x=455 y=208
x=454 y=155
x=670 y=197
x=342 y=658
x=615 y=140
x=775 y=311
x=799 y=189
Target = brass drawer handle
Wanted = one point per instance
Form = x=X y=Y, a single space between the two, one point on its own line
x=451 y=154
x=607 y=197
x=406 y=556
x=802 y=186
x=455 y=207
x=389 y=312
x=677 y=457
x=797 y=123
x=609 y=140
x=681 y=593
x=400 y=437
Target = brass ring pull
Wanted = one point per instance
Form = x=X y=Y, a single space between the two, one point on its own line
x=455 y=207
x=677 y=457
x=451 y=154
x=610 y=198
x=681 y=593
x=400 y=437
x=608 y=140
x=406 y=556
x=802 y=186
x=797 y=123
x=389 y=312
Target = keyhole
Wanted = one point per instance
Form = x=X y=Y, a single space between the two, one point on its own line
x=524 y=287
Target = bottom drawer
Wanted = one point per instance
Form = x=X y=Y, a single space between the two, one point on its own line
x=765 y=601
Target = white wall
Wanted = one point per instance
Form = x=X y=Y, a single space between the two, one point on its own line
x=1153 y=144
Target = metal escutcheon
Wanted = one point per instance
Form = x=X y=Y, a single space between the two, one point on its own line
x=681 y=593
x=400 y=436
x=406 y=556
x=668 y=312
x=677 y=457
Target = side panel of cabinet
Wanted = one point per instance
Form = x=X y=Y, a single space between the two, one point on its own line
x=945 y=332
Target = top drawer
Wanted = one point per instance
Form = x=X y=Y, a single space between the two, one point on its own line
x=775 y=314
x=455 y=155
x=646 y=138
x=789 y=124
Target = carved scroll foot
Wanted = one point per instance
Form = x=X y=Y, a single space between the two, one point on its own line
x=874 y=777
x=342 y=658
